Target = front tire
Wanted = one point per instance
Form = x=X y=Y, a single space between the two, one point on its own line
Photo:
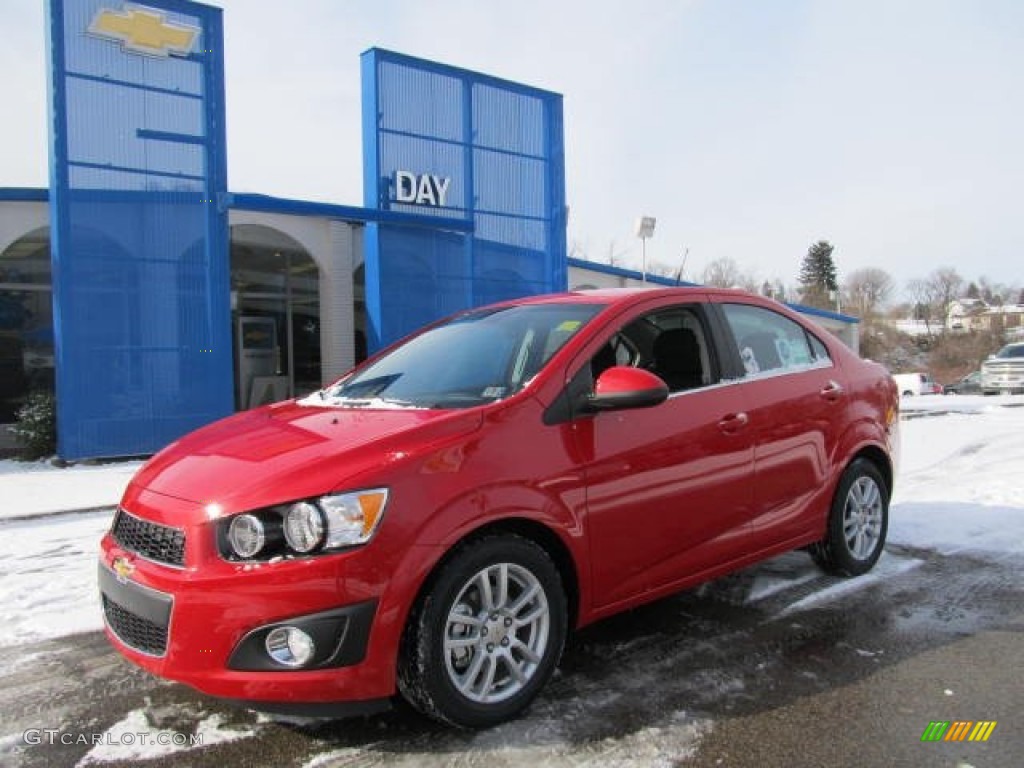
x=857 y=524
x=486 y=635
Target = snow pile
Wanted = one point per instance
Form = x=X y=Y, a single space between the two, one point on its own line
x=137 y=737
x=31 y=489
x=961 y=484
x=48 y=588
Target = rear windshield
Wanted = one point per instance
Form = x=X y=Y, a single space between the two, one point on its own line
x=475 y=358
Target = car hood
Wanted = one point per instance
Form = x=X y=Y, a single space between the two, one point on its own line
x=289 y=451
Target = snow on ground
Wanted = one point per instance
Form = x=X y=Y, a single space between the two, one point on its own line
x=48 y=586
x=888 y=566
x=139 y=736
x=961 y=480
x=30 y=489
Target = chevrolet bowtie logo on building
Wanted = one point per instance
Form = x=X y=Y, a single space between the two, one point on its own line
x=145 y=30
x=958 y=730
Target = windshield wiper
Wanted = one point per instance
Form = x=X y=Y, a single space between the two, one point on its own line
x=375 y=402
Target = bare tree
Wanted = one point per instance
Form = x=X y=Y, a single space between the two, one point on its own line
x=920 y=299
x=867 y=291
x=933 y=296
x=613 y=256
x=946 y=287
x=996 y=294
x=724 y=272
x=661 y=269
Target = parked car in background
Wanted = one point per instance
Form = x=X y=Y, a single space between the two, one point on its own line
x=434 y=523
x=1003 y=373
x=965 y=385
x=910 y=384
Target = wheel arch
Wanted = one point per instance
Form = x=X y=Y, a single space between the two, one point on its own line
x=878 y=457
x=533 y=531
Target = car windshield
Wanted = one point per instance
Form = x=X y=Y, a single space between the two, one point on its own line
x=1011 y=350
x=475 y=358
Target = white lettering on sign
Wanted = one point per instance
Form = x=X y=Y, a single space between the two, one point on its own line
x=426 y=189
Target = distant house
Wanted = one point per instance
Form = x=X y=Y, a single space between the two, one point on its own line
x=967 y=315
x=963 y=314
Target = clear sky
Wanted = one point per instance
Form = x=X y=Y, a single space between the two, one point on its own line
x=748 y=128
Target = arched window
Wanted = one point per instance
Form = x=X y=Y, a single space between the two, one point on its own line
x=26 y=321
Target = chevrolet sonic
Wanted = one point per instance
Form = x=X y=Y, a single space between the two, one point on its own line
x=433 y=524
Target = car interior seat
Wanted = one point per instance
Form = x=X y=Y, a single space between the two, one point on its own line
x=603 y=360
x=677 y=359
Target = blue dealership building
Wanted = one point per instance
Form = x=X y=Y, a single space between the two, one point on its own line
x=152 y=300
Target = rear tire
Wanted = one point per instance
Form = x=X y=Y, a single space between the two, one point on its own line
x=486 y=635
x=857 y=524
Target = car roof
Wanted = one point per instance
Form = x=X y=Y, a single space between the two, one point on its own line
x=626 y=295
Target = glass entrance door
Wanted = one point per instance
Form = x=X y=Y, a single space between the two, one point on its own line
x=276 y=321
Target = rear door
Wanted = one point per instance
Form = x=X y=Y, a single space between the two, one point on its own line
x=795 y=402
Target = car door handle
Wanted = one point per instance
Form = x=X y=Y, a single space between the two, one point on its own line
x=733 y=423
x=832 y=391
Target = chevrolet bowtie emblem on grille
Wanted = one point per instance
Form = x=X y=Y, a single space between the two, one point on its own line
x=145 y=30
x=123 y=568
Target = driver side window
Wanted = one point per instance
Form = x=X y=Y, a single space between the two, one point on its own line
x=617 y=351
x=671 y=343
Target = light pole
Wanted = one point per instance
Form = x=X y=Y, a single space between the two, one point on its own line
x=644 y=230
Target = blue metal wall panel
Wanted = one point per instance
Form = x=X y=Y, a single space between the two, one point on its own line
x=140 y=244
x=500 y=146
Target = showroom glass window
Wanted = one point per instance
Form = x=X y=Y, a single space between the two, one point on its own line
x=26 y=322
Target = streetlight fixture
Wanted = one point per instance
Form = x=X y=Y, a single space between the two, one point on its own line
x=644 y=230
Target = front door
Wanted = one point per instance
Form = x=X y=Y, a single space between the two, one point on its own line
x=669 y=490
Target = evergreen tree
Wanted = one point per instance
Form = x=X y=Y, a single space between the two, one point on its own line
x=818 y=278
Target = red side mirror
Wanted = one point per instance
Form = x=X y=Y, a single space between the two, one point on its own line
x=624 y=387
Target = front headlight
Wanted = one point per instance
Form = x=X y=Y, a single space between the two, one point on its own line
x=306 y=527
x=246 y=536
x=303 y=527
x=352 y=517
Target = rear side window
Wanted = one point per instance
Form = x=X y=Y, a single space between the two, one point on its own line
x=771 y=342
x=1011 y=350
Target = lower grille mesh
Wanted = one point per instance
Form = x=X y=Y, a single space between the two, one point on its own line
x=135 y=631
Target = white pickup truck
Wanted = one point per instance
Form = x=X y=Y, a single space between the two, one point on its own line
x=1003 y=372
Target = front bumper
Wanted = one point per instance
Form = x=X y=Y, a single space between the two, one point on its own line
x=204 y=623
x=139 y=618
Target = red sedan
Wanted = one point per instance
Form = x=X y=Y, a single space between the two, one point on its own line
x=434 y=523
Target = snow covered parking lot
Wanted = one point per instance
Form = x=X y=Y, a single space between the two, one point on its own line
x=743 y=671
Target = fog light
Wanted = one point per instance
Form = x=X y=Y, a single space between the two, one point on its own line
x=246 y=535
x=290 y=646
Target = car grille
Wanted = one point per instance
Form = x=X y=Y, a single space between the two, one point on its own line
x=149 y=540
x=135 y=631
